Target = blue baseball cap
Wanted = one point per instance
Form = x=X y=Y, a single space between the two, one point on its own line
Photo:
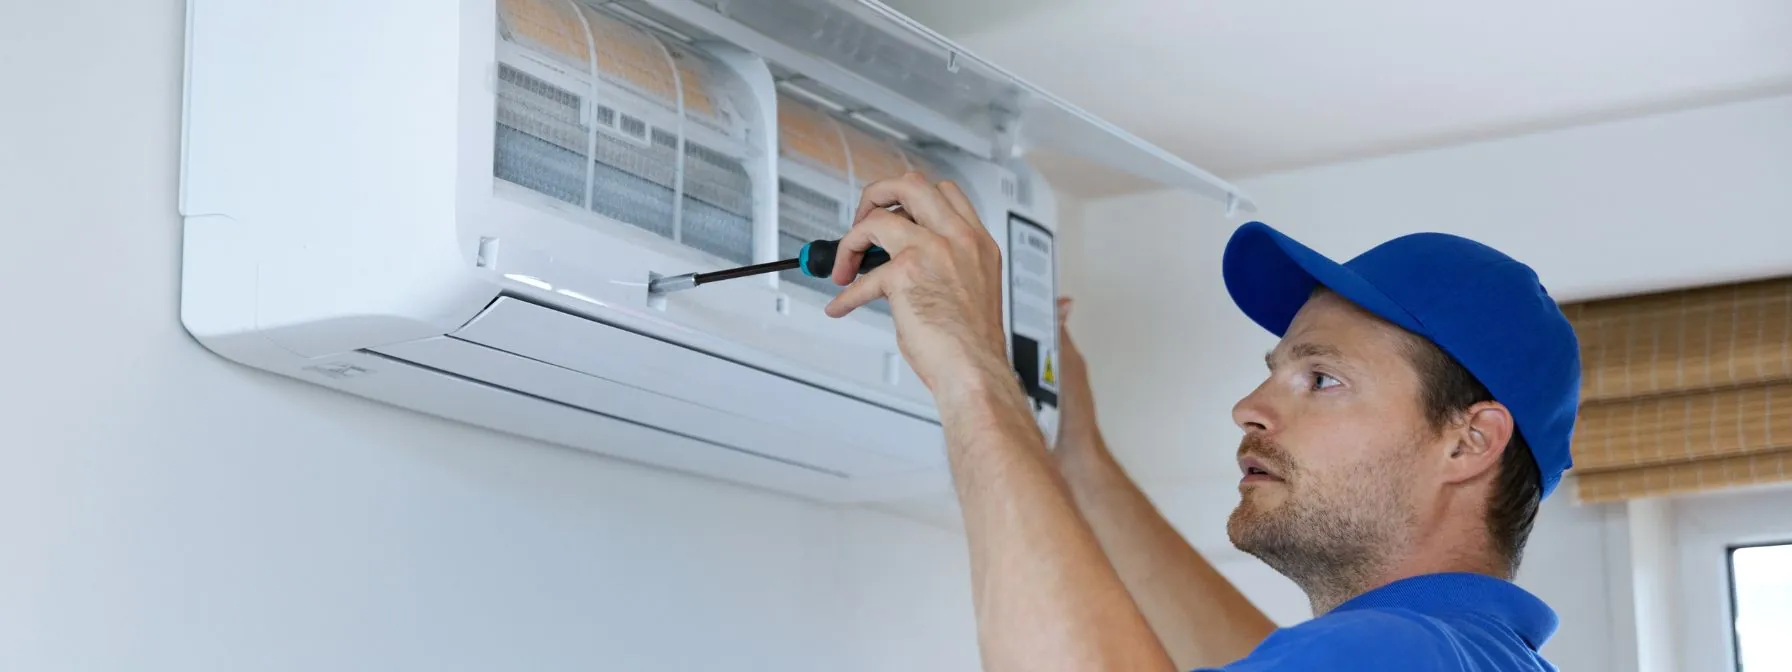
x=1483 y=308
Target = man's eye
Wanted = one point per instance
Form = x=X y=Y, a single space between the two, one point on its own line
x=1322 y=381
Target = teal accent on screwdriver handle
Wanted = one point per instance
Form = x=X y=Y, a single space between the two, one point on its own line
x=817 y=258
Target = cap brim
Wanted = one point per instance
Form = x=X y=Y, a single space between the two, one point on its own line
x=1270 y=276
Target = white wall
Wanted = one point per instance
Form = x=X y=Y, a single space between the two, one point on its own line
x=163 y=509
x=1688 y=198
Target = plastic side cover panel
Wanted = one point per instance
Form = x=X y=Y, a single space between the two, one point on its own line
x=888 y=61
x=823 y=422
x=474 y=403
x=1055 y=127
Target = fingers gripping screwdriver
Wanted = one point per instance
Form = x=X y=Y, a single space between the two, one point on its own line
x=816 y=261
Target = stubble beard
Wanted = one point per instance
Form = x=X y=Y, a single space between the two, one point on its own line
x=1331 y=538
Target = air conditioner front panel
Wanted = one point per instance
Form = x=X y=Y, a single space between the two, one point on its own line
x=670 y=414
x=814 y=419
x=482 y=403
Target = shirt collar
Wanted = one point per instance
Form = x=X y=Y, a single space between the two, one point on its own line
x=1462 y=592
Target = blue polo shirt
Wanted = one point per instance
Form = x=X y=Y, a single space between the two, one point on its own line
x=1455 y=622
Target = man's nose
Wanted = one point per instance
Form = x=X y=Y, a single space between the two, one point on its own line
x=1253 y=414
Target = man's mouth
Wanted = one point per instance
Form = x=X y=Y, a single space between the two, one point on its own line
x=1255 y=471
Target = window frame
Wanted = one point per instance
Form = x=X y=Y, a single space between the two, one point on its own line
x=1730 y=575
x=1705 y=527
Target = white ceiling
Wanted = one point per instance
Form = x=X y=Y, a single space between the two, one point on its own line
x=1246 y=87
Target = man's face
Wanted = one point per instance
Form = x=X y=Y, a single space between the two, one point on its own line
x=1330 y=456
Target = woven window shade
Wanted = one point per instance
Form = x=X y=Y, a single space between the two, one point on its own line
x=1684 y=391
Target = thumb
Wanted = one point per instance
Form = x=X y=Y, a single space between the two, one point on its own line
x=1064 y=305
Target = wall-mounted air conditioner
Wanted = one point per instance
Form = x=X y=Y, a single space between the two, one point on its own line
x=455 y=206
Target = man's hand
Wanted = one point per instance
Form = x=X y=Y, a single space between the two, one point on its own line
x=943 y=280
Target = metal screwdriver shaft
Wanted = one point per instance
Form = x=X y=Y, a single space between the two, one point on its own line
x=816 y=261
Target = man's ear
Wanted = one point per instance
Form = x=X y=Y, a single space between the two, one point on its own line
x=1482 y=438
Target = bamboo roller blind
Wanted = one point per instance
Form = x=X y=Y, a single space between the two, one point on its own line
x=1684 y=391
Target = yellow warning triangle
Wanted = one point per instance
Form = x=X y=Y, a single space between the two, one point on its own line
x=1049 y=377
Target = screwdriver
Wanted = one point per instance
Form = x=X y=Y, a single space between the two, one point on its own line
x=816 y=261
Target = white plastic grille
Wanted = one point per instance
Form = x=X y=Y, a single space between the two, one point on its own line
x=632 y=164
x=540 y=142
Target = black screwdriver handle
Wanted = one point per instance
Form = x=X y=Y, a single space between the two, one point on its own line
x=817 y=258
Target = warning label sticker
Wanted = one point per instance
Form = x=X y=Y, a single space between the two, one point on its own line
x=1032 y=307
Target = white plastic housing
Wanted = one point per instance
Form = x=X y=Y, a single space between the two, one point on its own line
x=454 y=207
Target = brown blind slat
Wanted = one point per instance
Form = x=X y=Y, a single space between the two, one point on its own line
x=1684 y=341
x=1684 y=391
x=1682 y=428
x=1687 y=477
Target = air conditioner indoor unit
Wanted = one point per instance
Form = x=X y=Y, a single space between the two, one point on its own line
x=455 y=206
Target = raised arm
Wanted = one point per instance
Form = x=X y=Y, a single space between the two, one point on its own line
x=1046 y=597
x=1199 y=616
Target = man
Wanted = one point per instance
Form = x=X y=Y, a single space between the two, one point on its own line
x=1416 y=410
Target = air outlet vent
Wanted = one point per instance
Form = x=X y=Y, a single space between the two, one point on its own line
x=633 y=127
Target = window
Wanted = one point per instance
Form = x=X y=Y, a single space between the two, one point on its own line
x=1761 y=591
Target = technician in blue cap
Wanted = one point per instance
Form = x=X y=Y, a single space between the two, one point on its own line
x=1416 y=410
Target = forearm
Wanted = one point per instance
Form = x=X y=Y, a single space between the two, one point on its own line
x=1045 y=595
x=1201 y=618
